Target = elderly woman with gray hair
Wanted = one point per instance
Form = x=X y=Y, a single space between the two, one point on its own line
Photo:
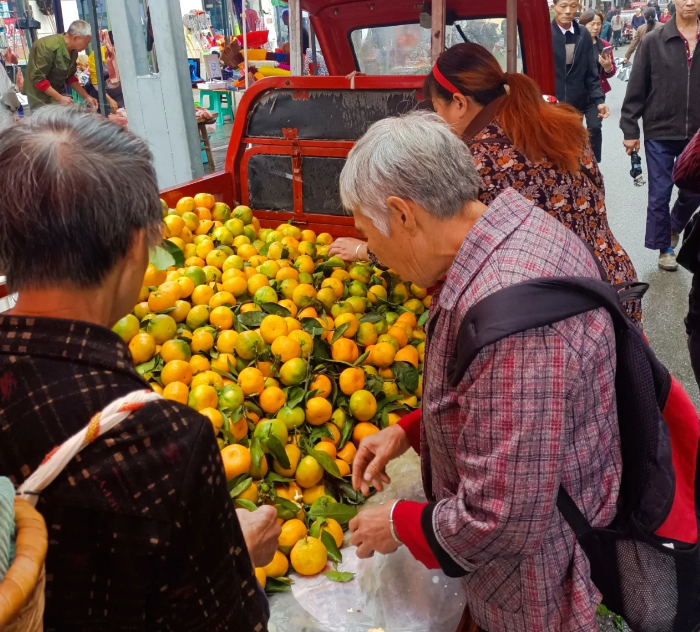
x=142 y=531
x=534 y=410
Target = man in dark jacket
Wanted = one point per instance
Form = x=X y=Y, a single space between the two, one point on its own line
x=664 y=90
x=575 y=68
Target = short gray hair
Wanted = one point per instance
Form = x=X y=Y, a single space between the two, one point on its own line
x=74 y=187
x=415 y=157
x=79 y=29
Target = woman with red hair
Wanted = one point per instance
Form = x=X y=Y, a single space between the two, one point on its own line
x=518 y=140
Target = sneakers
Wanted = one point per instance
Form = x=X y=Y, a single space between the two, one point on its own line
x=675 y=238
x=667 y=261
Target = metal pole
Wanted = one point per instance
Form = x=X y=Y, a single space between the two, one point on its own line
x=227 y=21
x=97 y=49
x=295 y=51
x=314 y=62
x=58 y=16
x=244 y=24
x=437 y=41
x=512 y=36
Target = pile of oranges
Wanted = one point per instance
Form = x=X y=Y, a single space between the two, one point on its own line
x=293 y=356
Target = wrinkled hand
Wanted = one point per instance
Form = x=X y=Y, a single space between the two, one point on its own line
x=603 y=111
x=372 y=456
x=625 y=61
x=606 y=62
x=92 y=103
x=371 y=531
x=65 y=100
x=261 y=533
x=346 y=249
x=631 y=145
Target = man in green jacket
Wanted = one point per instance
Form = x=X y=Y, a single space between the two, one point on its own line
x=51 y=66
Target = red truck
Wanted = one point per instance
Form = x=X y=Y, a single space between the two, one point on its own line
x=292 y=134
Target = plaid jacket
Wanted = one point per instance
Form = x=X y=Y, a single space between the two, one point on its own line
x=142 y=532
x=533 y=410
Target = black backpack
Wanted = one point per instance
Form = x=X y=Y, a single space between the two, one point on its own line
x=646 y=563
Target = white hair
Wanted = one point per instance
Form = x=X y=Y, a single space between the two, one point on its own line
x=414 y=157
x=79 y=29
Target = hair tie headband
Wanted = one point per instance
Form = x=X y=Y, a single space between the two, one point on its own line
x=443 y=81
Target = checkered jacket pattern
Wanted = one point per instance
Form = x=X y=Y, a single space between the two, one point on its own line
x=533 y=411
x=142 y=531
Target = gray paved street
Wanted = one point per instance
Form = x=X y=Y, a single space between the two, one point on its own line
x=666 y=302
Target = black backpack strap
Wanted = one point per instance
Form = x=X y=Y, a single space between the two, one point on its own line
x=529 y=305
x=572 y=514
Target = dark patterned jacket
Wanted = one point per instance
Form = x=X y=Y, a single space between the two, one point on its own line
x=142 y=531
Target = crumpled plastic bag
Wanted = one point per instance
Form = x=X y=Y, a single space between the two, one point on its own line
x=394 y=592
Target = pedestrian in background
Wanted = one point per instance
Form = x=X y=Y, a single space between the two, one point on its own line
x=650 y=15
x=664 y=91
x=638 y=19
x=616 y=24
x=665 y=16
x=576 y=70
x=52 y=64
x=605 y=29
x=593 y=21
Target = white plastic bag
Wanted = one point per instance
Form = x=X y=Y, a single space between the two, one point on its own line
x=393 y=592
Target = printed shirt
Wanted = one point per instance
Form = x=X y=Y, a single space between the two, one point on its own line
x=688 y=52
x=49 y=61
x=533 y=411
x=142 y=531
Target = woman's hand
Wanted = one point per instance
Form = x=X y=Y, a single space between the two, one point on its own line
x=347 y=249
x=371 y=531
x=606 y=62
x=261 y=533
x=374 y=453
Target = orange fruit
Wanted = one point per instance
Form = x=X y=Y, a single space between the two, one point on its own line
x=309 y=472
x=330 y=525
x=236 y=460
x=202 y=294
x=367 y=334
x=408 y=354
x=221 y=317
x=172 y=288
x=127 y=327
x=293 y=372
x=177 y=392
x=322 y=383
x=222 y=362
x=348 y=452
x=213 y=415
x=292 y=531
x=240 y=428
x=265 y=368
x=290 y=492
x=283 y=274
x=345 y=350
x=286 y=348
x=303 y=294
x=153 y=276
x=256 y=282
x=272 y=399
x=201 y=341
x=182 y=309
x=186 y=286
x=292 y=324
x=226 y=341
x=250 y=307
x=222 y=298
x=278 y=567
x=362 y=430
x=333 y=429
x=211 y=378
x=343 y=467
x=272 y=327
x=203 y=396
x=251 y=380
x=351 y=380
x=162 y=327
x=353 y=324
x=176 y=371
x=185 y=205
x=261 y=577
x=248 y=345
x=318 y=411
x=199 y=363
x=205 y=200
x=399 y=334
x=335 y=284
x=383 y=355
x=308 y=312
x=294 y=456
x=142 y=347
x=312 y=494
x=327 y=447
x=363 y=405
x=309 y=556
x=409 y=318
x=251 y=494
x=305 y=341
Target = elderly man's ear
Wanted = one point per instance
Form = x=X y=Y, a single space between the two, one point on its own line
x=403 y=214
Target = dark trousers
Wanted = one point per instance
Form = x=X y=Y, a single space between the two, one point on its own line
x=617 y=36
x=661 y=157
x=692 y=326
x=595 y=130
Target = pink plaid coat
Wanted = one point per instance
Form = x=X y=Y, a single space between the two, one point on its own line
x=532 y=411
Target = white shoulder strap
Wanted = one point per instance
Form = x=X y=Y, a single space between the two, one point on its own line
x=56 y=460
